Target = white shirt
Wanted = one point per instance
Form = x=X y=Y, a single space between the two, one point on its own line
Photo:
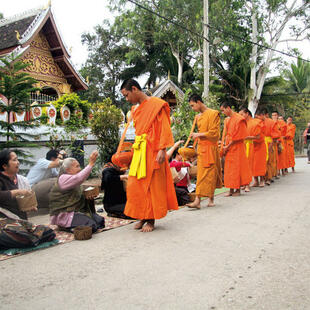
x=40 y=171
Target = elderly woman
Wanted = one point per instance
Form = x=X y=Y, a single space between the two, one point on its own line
x=68 y=206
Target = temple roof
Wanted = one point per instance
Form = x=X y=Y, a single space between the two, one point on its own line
x=161 y=89
x=17 y=32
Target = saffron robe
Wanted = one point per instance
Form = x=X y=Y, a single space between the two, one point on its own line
x=152 y=196
x=236 y=170
x=253 y=129
x=271 y=135
x=275 y=135
x=282 y=156
x=260 y=153
x=290 y=134
x=209 y=174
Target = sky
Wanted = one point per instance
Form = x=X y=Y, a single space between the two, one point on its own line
x=74 y=17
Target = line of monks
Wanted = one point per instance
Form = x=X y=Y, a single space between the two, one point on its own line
x=250 y=147
x=253 y=149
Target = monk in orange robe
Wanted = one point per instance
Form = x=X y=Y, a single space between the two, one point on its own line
x=276 y=136
x=253 y=135
x=282 y=159
x=209 y=174
x=150 y=189
x=236 y=170
x=289 y=137
x=260 y=153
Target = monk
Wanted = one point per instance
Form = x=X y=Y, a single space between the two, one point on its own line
x=236 y=169
x=150 y=189
x=277 y=143
x=282 y=157
x=260 y=153
x=209 y=174
x=289 y=137
x=253 y=134
x=271 y=136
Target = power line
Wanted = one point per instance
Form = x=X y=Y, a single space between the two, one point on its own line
x=225 y=32
x=254 y=43
x=168 y=20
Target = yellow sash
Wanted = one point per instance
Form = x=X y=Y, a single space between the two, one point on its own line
x=138 y=163
x=247 y=147
x=267 y=140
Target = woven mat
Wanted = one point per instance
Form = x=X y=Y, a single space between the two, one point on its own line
x=63 y=237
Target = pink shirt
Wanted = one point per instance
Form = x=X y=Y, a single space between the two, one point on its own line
x=66 y=182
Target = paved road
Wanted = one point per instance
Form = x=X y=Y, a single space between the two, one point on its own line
x=249 y=252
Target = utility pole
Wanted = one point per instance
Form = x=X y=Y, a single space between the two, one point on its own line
x=206 y=64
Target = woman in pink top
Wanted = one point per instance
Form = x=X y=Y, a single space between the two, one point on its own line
x=68 y=206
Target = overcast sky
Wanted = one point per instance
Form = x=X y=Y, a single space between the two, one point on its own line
x=73 y=17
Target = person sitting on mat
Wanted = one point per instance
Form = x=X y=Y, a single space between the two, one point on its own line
x=112 y=183
x=68 y=206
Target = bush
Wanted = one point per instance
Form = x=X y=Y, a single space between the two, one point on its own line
x=105 y=126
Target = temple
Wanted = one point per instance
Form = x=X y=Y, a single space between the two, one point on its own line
x=34 y=36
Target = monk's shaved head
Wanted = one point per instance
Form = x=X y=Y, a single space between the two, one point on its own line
x=129 y=83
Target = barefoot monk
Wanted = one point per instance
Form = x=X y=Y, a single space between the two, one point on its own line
x=208 y=164
x=150 y=190
x=236 y=170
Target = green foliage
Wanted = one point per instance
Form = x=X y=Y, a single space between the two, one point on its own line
x=16 y=86
x=105 y=126
x=105 y=63
x=74 y=103
x=182 y=117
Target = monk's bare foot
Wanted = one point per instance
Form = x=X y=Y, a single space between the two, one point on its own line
x=230 y=193
x=140 y=224
x=236 y=193
x=247 y=188
x=211 y=202
x=194 y=204
x=268 y=182
x=149 y=226
x=255 y=184
x=243 y=187
x=262 y=184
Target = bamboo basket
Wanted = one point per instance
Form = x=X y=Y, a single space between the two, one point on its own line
x=27 y=202
x=82 y=233
x=188 y=153
x=91 y=191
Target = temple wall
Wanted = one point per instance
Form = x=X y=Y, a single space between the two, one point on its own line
x=43 y=67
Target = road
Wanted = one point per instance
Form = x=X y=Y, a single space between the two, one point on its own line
x=248 y=252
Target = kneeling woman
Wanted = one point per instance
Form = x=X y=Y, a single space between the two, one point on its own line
x=67 y=204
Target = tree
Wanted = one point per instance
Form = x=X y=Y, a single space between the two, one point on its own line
x=16 y=87
x=105 y=63
x=105 y=126
x=154 y=37
x=281 y=21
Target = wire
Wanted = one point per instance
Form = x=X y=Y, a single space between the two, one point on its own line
x=168 y=20
x=211 y=27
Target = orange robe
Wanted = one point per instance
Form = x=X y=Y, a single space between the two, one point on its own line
x=236 y=170
x=260 y=152
x=271 y=135
x=282 y=155
x=152 y=196
x=275 y=135
x=253 y=129
x=290 y=134
x=209 y=174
